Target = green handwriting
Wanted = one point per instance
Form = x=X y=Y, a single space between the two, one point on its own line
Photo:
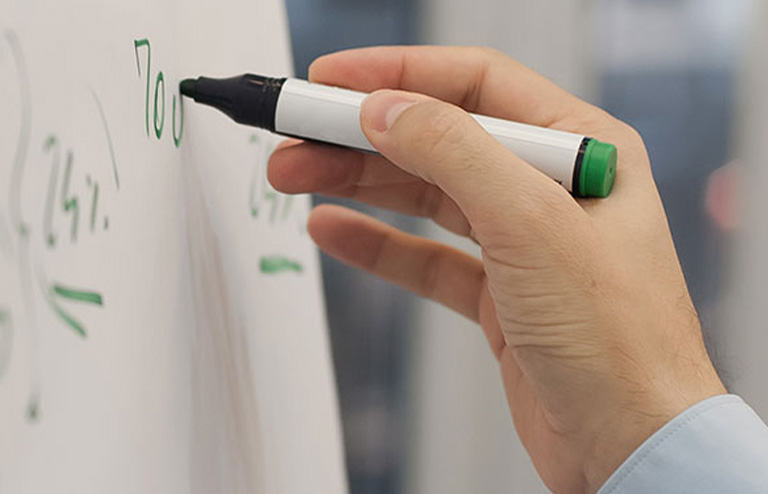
x=51 y=145
x=158 y=113
x=70 y=203
x=108 y=135
x=262 y=195
x=22 y=143
x=76 y=295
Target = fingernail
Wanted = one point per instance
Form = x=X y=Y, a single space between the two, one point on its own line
x=382 y=108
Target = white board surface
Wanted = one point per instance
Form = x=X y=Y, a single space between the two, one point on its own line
x=161 y=320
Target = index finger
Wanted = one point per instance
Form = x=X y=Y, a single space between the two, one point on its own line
x=477 y=79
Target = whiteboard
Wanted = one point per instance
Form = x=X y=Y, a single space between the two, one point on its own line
x=161 y=318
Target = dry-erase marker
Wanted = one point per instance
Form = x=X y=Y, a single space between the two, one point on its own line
x=292 y=107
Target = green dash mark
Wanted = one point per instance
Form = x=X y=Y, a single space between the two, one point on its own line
x=71 y=321
x=78 y=295
x=278 y=264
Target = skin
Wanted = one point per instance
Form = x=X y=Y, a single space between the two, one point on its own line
x=583 y=302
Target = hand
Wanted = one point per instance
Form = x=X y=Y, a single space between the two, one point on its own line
x=583 y=302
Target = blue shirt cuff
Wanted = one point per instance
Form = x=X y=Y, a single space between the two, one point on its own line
x=719 y=445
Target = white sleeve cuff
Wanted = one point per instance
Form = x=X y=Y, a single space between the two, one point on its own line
x=719 y=445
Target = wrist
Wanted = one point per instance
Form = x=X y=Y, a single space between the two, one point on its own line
x=634 y=422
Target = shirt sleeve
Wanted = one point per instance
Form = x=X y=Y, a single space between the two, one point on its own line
x=719 y=445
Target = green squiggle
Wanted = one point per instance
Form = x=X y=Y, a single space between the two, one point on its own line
x=137 y=43
x=78 y=295
x=70 y=203
x=109 y=136
x=69 y=320
x=277 y=264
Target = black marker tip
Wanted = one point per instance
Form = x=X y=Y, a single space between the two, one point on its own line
x=248 y=99
x=188 y=87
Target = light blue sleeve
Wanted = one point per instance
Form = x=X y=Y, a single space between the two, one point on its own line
x=719 y=445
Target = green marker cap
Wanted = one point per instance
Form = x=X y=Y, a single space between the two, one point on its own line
x=598 y=169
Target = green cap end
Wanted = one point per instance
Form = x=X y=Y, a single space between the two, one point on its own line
x=598 y=169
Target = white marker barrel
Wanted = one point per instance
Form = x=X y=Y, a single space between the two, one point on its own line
x=331 y=114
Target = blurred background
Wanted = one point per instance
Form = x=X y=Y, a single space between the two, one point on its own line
x=422 y=405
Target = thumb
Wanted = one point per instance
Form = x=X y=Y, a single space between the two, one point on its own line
x=444 y=145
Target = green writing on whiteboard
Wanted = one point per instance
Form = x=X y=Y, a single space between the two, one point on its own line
x=59 y=292
x=158 y=100
x=61 y=198
x=263 y=199
x=278 y=264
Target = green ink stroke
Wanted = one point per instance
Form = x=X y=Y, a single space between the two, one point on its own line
x=22 y=144
x=161 y=123
x=177 y=138
x=137 y=43
x=94 y=204
x=278 y=264
x=51 y=145
x=109 y=136
x=78 y=295
x=70 y=203
x=69 y=320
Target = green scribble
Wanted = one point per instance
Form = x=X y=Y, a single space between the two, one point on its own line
x=78 y=295
x=177 y=139
x=138 y=43
x=94 y=205
x=278 y=264
x=70 y=203
x=159 y=126
x=109 y=136
x=254 y=138
x=287 y=203
x=271 y=196
x=22 y=143
x=252 y=196
x=51 y=145
x=6 y=239
x=70 y=321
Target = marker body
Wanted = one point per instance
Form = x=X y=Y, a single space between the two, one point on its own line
x=298 y=108
x=330 y=114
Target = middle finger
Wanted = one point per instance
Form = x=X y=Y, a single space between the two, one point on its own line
x=364 y=177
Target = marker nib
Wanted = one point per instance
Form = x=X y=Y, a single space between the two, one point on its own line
x=188 y=87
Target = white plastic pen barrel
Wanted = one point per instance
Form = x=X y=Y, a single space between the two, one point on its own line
x=584 y=166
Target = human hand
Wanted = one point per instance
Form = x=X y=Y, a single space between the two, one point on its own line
x=583 y=301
